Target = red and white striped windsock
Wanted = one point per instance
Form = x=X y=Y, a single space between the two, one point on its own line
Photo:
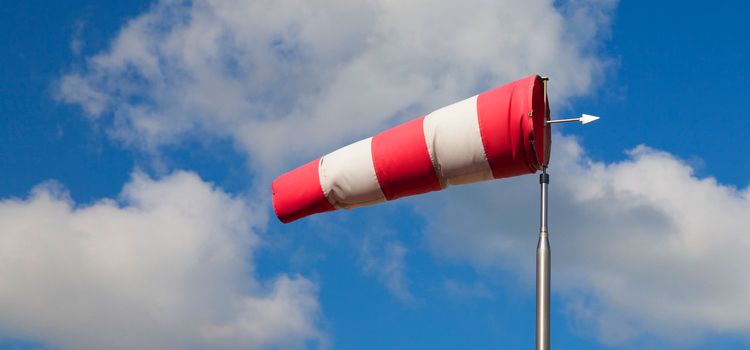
x=496 y=134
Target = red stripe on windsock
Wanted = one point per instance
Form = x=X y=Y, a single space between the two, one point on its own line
x=298 y=193
x=402 y=161
x=503 y=115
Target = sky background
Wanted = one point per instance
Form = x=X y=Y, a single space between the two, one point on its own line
x=138 y=141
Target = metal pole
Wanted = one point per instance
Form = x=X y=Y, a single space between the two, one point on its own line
x=543 y=271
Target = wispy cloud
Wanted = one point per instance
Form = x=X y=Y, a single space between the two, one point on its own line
x=463 y=290
x=386 y=261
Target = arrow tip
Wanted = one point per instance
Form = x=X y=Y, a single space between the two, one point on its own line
x=587 y=118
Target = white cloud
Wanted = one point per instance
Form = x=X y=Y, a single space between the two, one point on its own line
x=164 y=266
x=289 y=80
x=292 y=79
x=639 y=246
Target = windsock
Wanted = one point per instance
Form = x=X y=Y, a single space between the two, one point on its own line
x=496 y=134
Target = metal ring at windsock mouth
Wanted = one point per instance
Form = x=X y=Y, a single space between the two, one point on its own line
x=540 y=114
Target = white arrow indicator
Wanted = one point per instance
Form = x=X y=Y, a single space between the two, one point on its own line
x=584 y=119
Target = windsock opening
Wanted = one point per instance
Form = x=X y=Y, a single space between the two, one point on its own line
x=542 y=132
x=496 y=134
x=512 y=121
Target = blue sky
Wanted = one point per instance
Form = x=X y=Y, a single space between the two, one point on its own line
x=137 y=139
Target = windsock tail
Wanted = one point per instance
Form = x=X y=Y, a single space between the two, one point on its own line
x=297 y=193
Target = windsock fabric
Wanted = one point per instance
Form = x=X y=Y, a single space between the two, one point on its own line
x=496 y=134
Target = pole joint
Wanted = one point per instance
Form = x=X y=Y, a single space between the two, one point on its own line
x=544 y=178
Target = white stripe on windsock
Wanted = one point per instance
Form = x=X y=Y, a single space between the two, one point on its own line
x=455 y=144
x=348 y=178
